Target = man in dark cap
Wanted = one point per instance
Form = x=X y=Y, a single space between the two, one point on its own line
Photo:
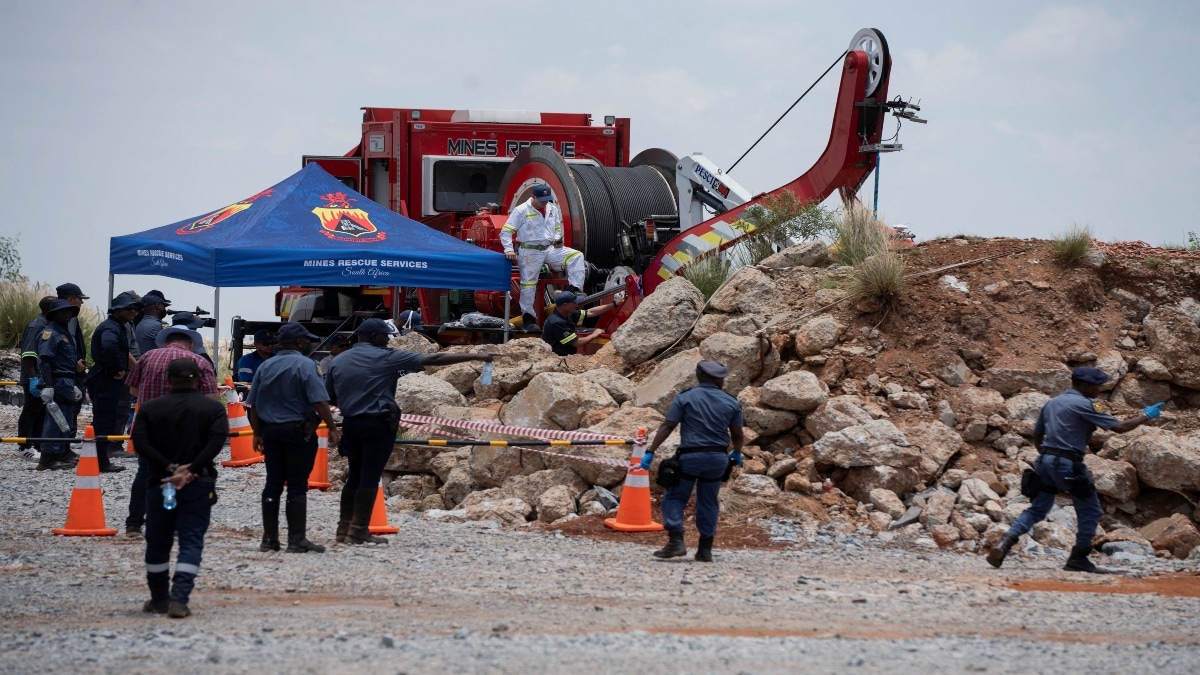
x=560 y=329
x=362 y=382
x=110 y=362
x=58 y=383
x=710 y=421
x=287 y=400
x=178 y=435
x=74 y=295
x=1061 y=435
x=154 y=310
x=149 y=380
x=264 y=347
x=538 y=229
x=33 y=411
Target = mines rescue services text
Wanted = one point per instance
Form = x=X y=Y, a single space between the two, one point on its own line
x=366 y=263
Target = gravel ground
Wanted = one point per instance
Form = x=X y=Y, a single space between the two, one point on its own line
x=446 y=597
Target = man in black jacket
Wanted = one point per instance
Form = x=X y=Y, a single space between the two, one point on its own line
x=178 y=436
x=106 y=381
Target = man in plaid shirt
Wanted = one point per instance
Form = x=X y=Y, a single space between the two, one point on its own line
x=148 y=381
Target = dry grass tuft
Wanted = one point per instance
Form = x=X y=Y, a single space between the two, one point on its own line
x=1071 y=246
x=879 y=276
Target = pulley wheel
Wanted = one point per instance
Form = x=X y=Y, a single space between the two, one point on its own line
x=872 y=42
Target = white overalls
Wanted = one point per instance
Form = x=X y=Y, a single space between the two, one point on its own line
x=535 y=247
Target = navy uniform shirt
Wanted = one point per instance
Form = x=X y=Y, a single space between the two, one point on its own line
x=285 y=387
x=362 y=379
x=146 y=332
x=76 y=332
x=559 y=331
x=1068 y=420
x=247 y=366
x=704 y=414
x=56 y=354
x=110 y=348
x=29 y=345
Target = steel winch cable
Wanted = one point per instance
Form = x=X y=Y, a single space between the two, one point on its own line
x=785 y=112
x=612 y=196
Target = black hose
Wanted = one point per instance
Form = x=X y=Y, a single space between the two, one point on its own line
x=615 y=196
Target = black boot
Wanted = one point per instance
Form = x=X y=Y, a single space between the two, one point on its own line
x=360 y=526
x=1079 y=562
x=995 y=557
x=704 y=552
x=343 y=532
x=297 y=518
x=270 y=513
x=674 y=547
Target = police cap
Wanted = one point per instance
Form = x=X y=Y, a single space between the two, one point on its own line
x=712 y=369
x=293 y=331
x=69 y=291
x=60 y=304
x=1089 y=375
x=155 y=298
x=187 y=320
x=378 y=326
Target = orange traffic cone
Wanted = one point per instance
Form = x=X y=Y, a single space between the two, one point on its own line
x=318 y=479
x=633 y=514
x=639 y=448
x=241 y=448
x=379 y=522
x=129 y=442
x=85 y=515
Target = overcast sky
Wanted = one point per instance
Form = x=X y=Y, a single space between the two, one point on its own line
x=118 y=116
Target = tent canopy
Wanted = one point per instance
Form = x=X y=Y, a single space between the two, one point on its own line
x=308 y=230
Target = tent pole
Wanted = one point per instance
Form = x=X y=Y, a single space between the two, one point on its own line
x=217 y=326
x=507 y=325
x=111 y=286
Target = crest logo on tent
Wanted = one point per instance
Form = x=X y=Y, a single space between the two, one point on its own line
x=212 y=219
x=341 y=222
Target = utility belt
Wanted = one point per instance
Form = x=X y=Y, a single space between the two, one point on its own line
x=702 y=448
x=1080 y=485
x=391 y=417
x=1073 y=455
x=305 y=427
x=536 y=247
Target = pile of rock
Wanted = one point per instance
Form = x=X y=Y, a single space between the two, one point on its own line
x=939 y=457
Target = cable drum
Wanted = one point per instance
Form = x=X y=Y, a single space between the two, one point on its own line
x=594 y=199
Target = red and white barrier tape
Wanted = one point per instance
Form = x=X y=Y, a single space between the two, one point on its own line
x=604 y=461
x=500 y=428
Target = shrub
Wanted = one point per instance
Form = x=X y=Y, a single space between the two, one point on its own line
x=1193 y=242
x=860 y=235
x=10 y=259
x=1152 y=262
x=707 y=274
x=1071 y=246
x=778 y=221
x=879 y=276
x=18 y=306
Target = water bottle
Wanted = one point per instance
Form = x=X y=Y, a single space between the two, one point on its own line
x=487 y=373
x=57 y=415
x=169 y=496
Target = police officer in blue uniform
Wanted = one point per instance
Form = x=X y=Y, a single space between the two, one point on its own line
x=58 y=382
x=709 y=420
x=154 y=309
x=74 y=295
x=1061 y=435
x=33 y=411
x=287 y=401
x=110 y=362
x=362 y=383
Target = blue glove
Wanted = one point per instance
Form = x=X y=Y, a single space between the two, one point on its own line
x=736 y=456
x=1153 y=411
x=646 y=460
x=33 y=386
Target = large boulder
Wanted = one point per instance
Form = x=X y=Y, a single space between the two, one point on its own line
x=935 y=444
x=458 y=484
x=1176 y=534
x=530 y=487
x=412 y=458
x=662 y=318
x=1009 y=381
x=509 y=511
x=490 y=466
x=1025 y=407
x=939 y=508
x=888 y=502
x=413 y=342
x=1113 y=478
x=836 y=414
x=1173 y=335
x=1164 y=460
x=555 y=503
x=815 y=335
x=618 y=387
x=766 y=421
x=624 y=423
x=419 y=394
x=461 y=376
x=861 y=481
x=668 y=379
x=748 y=291
x=555 y=401
x=804 y=254
x=513 y=377
x=414 y=486
x=1113 y=364
x=952 y=370
x=877 y=442
x=742 y=355
x=971 y=402
x=799 y=391
x=1139 y=392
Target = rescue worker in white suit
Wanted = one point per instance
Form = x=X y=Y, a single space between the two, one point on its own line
x=538 y=227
